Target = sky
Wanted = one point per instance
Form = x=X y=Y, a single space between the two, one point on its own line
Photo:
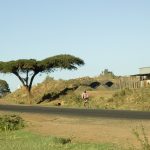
x=106 y=34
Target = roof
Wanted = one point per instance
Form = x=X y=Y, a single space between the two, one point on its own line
x=143 y=74
x=144 y=67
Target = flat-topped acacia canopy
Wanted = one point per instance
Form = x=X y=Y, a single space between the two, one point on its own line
x=31 y=67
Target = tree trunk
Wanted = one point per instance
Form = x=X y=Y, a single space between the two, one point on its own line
x=27 y=84
x=29 y=94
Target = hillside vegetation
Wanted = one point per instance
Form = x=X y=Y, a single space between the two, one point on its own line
x=103 y=94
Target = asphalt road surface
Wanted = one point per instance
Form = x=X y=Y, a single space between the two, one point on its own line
x=120 y=114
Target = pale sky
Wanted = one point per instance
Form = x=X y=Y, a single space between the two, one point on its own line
x=106 y=34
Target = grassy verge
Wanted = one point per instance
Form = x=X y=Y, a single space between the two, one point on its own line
x=68 y=93
x=22 y=140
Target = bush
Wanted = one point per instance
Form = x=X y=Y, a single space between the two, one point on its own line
x=62 y=140
x=11 y=122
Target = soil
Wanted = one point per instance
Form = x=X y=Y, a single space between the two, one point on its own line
x=102 y=130
x=94 y=130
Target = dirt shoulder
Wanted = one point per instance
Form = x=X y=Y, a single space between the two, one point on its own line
x=86 y=129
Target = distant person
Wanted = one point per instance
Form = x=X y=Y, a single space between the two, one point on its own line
x=85 y=97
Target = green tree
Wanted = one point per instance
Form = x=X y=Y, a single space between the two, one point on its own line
x=4 y=88
x=107 y=73
x=27 y=69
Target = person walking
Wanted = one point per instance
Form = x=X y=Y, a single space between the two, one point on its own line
x=85 y=97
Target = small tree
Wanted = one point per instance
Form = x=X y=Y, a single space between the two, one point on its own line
x=107 y=73
x=27 y=69
x=4 y=88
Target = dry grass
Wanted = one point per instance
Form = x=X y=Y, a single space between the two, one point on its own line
x=106 y=98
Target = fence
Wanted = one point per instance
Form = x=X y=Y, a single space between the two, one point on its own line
x=128 y=82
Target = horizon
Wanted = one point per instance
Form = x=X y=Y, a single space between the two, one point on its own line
x=109 y=34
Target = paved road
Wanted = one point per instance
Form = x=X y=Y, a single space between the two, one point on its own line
x=77 y=112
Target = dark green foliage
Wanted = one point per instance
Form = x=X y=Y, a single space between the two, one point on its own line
x=11 y=122
x=61 y=140
x=61 y=61
x=23 y=65
x=4 y=88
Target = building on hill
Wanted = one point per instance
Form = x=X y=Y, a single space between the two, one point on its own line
x=144 y=76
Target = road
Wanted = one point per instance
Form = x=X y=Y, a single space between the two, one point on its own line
x=122 y=114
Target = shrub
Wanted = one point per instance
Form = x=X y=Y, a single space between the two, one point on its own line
x=62 y=140
x=11 y=122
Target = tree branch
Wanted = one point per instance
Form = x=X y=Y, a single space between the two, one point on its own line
x=26 y=79
x=31 y=81
x=16 y=73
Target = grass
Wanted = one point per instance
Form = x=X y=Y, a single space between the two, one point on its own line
x=131 y=99
x=22 y=140
x=142 y=138
x=105 y=98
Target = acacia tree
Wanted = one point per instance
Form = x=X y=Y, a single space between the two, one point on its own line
x=27 y=69
x=4 y=88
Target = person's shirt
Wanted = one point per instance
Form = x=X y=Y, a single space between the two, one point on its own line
x=85 y=95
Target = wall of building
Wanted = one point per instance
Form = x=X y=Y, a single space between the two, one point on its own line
x=144 y=70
